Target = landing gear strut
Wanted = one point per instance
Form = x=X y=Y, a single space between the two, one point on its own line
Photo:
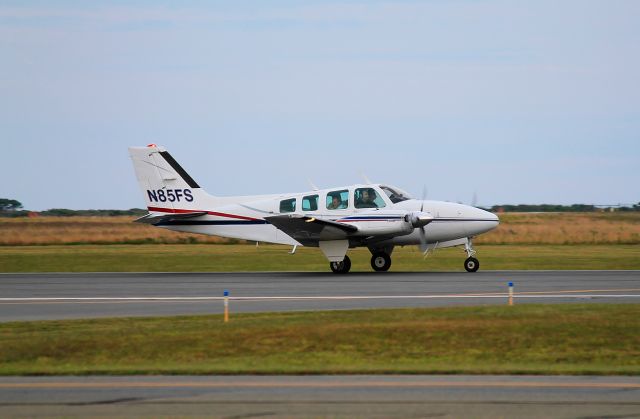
x=471 y=264
x=341 y=267
x=380 y=261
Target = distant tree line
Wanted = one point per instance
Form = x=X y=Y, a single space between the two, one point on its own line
x=13 y=208
x=560 y=208
x=10 y=205
x=63 y=212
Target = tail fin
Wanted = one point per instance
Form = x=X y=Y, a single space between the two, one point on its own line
x=165 y=184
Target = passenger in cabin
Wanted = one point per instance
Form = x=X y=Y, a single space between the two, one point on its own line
x=336 y=202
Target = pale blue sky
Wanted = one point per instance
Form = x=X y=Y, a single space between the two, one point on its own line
x=520 y=102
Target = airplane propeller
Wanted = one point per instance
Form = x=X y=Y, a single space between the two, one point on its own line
x=419 y=219
x=423 y=234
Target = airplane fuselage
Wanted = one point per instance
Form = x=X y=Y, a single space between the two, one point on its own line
x=244 y=218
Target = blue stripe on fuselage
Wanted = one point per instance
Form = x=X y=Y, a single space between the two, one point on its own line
x=372 y=217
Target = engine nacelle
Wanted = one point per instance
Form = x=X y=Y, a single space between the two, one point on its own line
x=418 y=218
x=380 y=223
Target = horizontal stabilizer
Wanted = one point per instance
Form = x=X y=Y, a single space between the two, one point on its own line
x=155 y=219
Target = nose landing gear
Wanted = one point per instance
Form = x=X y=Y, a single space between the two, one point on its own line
x=471 y=264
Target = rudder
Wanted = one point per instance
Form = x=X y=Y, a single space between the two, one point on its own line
x=164 y=183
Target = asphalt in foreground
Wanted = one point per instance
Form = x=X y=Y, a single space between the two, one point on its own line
x=309 y=396
x=321 y=396
x=91 y=295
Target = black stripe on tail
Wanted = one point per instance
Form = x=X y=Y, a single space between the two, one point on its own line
x=185 y=176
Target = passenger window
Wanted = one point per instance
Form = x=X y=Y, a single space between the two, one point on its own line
x=338 y=200
x=288 y=205
x=310 y=203
x=367 y=198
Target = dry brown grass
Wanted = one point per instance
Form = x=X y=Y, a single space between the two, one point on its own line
x=565 y=228
x=92 y=230
x=543 y=228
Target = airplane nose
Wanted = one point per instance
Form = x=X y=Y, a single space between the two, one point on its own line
x=494 y=220
x=485 y=221
x=484 y=215
x=491 y=216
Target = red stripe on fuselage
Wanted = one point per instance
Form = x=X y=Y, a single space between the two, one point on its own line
x=218 y=214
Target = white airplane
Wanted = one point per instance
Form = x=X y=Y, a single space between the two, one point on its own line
x=375 y=216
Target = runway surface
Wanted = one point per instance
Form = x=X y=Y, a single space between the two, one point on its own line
x=88 y=295
x=321 y=396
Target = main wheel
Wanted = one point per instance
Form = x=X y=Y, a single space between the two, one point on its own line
x=380 y=261
x=341 y=267
x=471 y=264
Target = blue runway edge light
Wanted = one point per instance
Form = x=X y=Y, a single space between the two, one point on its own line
x=226 y=293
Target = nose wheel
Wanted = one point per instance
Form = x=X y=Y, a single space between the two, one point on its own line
x=471 y=264
x=341 y=267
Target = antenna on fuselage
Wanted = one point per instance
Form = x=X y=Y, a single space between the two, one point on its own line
x=313 y=186
x=365 y=178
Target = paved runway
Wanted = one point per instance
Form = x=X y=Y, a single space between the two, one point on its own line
x=321 y=396
x=86 y=295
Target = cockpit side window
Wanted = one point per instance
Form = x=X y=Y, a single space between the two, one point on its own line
x=310 y=203
x=288 y=205
x=395 y=195
x=367 y=198
x=338 y=200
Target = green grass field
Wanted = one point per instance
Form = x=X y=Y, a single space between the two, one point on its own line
x=226 y=258
x=527 y=339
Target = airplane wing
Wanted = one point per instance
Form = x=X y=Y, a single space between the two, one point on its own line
x=311 y=230
x=155 y=219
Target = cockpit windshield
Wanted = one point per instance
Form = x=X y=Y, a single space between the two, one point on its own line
x=395 y=194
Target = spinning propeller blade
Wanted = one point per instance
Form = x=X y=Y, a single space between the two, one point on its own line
x=423 y=234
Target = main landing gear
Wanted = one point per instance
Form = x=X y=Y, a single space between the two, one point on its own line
x=471 y=264
x=381 y=258
x=341 y=267
x=380 y=261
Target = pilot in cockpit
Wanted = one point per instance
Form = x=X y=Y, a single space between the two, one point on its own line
x=367 y=199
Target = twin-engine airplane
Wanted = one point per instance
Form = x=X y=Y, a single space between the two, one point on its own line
x=375 y=216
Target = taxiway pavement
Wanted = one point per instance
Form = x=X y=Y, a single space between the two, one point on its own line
x=321 y=396
x=90 y=295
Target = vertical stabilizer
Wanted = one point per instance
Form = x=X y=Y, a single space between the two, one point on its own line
x=166 y=186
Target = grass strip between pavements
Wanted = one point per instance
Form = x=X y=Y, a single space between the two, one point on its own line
x=527 y=339
x=245 y=258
